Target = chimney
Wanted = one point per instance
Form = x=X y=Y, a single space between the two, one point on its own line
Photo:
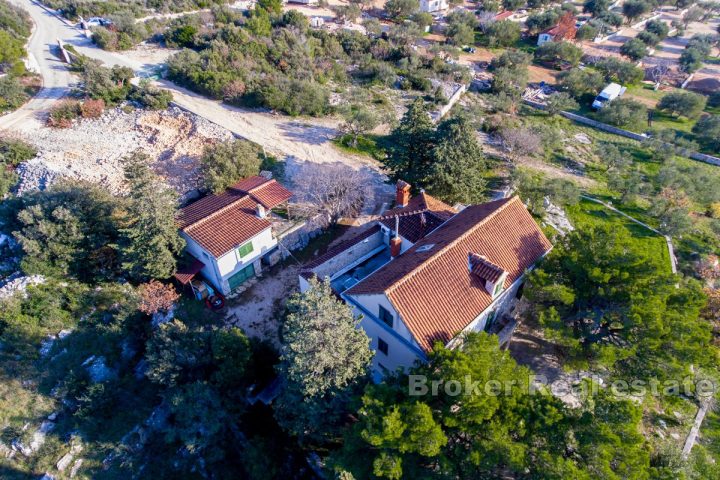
x=395 y=244
x=402 y=193
x=260 y=211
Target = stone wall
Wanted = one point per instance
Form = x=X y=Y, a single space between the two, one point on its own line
x=299 y=236
x=700 y=157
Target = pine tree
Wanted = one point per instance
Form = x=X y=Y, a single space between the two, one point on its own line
x=324 y=357
x=458 y=163
x=410 y=154
x=149 y=241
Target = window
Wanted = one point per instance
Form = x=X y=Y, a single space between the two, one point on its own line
x=386 y=316
x=244 y=250
x=382 y=346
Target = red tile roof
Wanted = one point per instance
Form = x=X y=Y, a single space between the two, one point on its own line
x=432 y=289
x=423 y=214
x=504 y=15
x=186 y=272
x=222 y=222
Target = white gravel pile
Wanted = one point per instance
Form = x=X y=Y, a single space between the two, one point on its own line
x=20 y=284
x=92 y=149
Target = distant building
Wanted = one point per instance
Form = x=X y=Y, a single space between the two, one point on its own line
x=566 y=29
x=432 y=6
x=231 y=232
x=426 y=272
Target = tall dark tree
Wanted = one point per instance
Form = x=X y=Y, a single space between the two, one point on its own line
x=457 y=174
x=410 y=154
x=150 y=239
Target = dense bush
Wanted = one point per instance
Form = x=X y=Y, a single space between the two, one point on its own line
x=504 y=33
x=226 y=163
x=12 y=93
x=73 y=9
x=151 y=97
x=62 y=114
x=290 y=70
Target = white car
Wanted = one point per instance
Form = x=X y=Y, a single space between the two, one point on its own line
x=608 y=94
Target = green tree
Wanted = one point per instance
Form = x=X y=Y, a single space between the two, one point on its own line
x=633 y=9
x=686 y=104
x=324 y=356
x=359 y=120
x=504 y=33
x=69 y=229
x=691 y=60
x=559 y=102
x=457 y=174
x=149 y=239
x=400 y=9
x=580 y=82
x=634 y=49
x=707 y=130
x=226 y=163
x=558 y=53
x=616 y=70
x=410 y=152
x=623 y=112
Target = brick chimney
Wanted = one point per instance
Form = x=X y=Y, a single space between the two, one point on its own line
x=260 y=211
x=395 y=244
x=402 y=193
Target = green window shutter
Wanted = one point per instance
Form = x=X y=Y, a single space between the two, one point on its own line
x=246 y=249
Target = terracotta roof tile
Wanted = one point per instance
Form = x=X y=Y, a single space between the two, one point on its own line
x=420 y=216
x=484 y=268
x=222 y=222
x=432 y=289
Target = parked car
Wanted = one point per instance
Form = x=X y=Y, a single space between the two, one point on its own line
x=608 y=94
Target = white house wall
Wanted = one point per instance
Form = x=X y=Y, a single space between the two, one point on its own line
x=231 y=262
x=209 y=271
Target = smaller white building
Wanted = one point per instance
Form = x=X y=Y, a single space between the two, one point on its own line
x=432 y=6
x=228 y=234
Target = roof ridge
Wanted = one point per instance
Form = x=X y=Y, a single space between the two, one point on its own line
x=218 y=211
x=404 y=214
x=442 y=251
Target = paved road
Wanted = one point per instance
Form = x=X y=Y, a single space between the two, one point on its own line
x=56 y=78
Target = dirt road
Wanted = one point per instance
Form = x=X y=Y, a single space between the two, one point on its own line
x=289 y=138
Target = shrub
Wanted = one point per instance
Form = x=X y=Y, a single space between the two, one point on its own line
x=63 y=113
x=714 y=210
x=226 y=163
x=580 y=82
x=151 y=97
x=623 y=112
x=14 y=151
x=12 y=93
x=92 y=108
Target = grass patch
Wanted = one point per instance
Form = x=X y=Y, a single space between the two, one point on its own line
x=369 y=145
x=587 y=214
